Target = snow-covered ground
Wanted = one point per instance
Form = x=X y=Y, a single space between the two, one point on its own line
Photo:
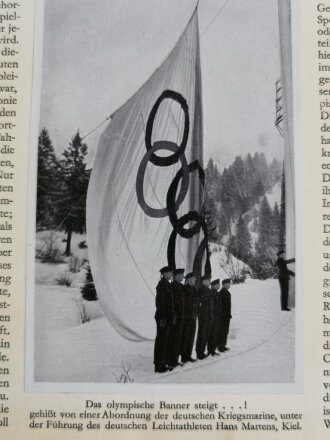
x=224 y=265
x=274 y=195
x=261 y=338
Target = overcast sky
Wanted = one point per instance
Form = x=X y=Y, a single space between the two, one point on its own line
x=97 y=53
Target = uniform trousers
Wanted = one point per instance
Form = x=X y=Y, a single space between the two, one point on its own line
x=188 y=337
x=202 y=336
x=161 y=344
x=213 y=336
x=223 y=331
x=174 y=343
x=284 y=286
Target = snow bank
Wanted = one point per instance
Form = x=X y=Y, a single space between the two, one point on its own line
x=261 y=338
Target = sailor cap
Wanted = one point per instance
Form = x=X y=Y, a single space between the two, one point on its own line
x=165 y=269
x=227 y=280
x=214 y=282
x=190 y=275
x=178 y=271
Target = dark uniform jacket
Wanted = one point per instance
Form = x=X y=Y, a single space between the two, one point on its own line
x=225 y=302
x=164 y=301
x=217 y=303
x=206 y=303
x=191 y=301
x=178 y=300
x=283 y=271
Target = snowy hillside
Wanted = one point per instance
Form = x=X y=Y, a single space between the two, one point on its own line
x=274 y=195
x=224 y=265
x=67 y=350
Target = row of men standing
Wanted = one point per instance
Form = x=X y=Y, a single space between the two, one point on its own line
x=178 y=307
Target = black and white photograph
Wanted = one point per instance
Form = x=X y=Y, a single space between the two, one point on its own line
x=165 y=227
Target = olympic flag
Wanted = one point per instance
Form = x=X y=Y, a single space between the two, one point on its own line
x=145 y=203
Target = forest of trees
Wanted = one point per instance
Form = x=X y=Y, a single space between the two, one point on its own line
x=62 y=187
x=238 y=207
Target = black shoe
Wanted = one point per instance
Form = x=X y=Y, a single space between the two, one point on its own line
x=223 y=349
x=160 y=369
x=201 y=356
x=176 y=364
x=170 y=367
x=286 y=309
x=191 y=360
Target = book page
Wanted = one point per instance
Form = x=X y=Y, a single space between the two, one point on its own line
x=164 y=185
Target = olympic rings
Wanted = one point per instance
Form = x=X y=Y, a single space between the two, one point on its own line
x=161 y=212
x=173 y=201
x=169 y=160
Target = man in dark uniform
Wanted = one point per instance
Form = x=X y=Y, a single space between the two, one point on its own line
x=203 y=317
x=225 y=315
x=214 y=321
x=164 y=317
x=283 y=278
x=174 y=340
x=191 y=303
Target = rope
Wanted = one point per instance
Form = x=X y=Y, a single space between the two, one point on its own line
x=95 y=128
x=214 y=19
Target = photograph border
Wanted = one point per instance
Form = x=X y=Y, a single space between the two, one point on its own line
x=295 y=387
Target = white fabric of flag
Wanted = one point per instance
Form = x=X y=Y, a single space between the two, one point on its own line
x=145 y=198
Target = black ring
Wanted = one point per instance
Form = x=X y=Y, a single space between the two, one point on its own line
x=193 y=230
x=198 y=260
x=169 y=160
x=178 y=224
x=172 y=240
x=161 y=212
